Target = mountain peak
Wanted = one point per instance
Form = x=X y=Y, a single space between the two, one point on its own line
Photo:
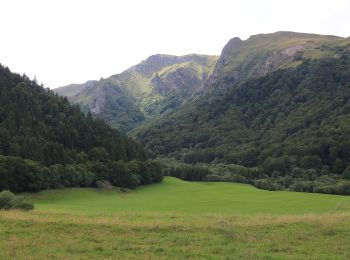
x=263 y=53
x=233 y=44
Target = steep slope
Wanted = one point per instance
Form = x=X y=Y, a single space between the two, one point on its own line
x=47 y=143
x=156 y=86
x=110 y=102
x=291 y=119
x=264 y=53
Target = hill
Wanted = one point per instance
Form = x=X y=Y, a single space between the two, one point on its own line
x=46 y=142
x=154 y=87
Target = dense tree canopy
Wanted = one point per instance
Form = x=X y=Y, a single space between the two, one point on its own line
x=47 y=143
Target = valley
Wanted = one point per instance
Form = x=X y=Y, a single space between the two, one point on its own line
x=242 y=155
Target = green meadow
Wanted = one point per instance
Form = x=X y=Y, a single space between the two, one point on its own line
x=177 y=196
x=178 y=220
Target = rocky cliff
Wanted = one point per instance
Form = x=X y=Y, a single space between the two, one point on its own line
x=264 y=53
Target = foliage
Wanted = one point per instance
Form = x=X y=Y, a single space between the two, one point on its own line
x=189 y=173
x=21 y=175
x=10 y=201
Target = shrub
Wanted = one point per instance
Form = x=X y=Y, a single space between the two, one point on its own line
x=302 y=186
x=213 y=177
x=10 y=201
x=343 y=188
x=133 y=181
x=346 y=173
x=5 y=198
x=266 y=184
x=104 y=184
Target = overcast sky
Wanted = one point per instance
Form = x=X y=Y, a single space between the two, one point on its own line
x=72 y=41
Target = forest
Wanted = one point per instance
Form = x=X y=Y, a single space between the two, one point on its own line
x=47 y=143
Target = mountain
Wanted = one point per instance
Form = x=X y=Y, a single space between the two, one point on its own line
x=289 y=119
x=156 y=86
x=47 y=143
x=272 y=111
x=164 y=83
x=264 y=53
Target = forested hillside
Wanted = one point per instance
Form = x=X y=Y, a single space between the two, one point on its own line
x=47 y=143
x=292 y=124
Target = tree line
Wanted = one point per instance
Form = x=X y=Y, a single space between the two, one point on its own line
x=300 y=180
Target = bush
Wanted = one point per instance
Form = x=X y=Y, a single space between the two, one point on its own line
x=103 y=184
x=266 y=184
x=5 y=198
x=213 y=177
x=10 y=201
x=302 y=186
x=133 y=181
x=343 y=188
x=346 y=173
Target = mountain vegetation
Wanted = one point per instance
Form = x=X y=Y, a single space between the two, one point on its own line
x=47 y=143
x=290 y=128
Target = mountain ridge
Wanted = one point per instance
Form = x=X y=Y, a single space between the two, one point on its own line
x=263 y=53
x=149 y=89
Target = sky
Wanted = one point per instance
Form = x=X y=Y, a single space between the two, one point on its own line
x=72 y=41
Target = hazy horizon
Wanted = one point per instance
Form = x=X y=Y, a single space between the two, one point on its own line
x=65 y=42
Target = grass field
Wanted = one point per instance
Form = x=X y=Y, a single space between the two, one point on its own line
x=177 y=220
x=177 y=196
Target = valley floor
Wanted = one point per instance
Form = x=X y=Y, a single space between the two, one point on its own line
x=178 y=220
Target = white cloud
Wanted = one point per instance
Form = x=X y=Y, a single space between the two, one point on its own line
x=75 y=40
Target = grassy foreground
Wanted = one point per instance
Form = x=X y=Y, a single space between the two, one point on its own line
x=39 y=235
x=91 y=224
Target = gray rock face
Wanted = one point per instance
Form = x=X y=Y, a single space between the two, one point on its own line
x=182 y=82
x=276 y=59
x=98 y=101
x=251 y=58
